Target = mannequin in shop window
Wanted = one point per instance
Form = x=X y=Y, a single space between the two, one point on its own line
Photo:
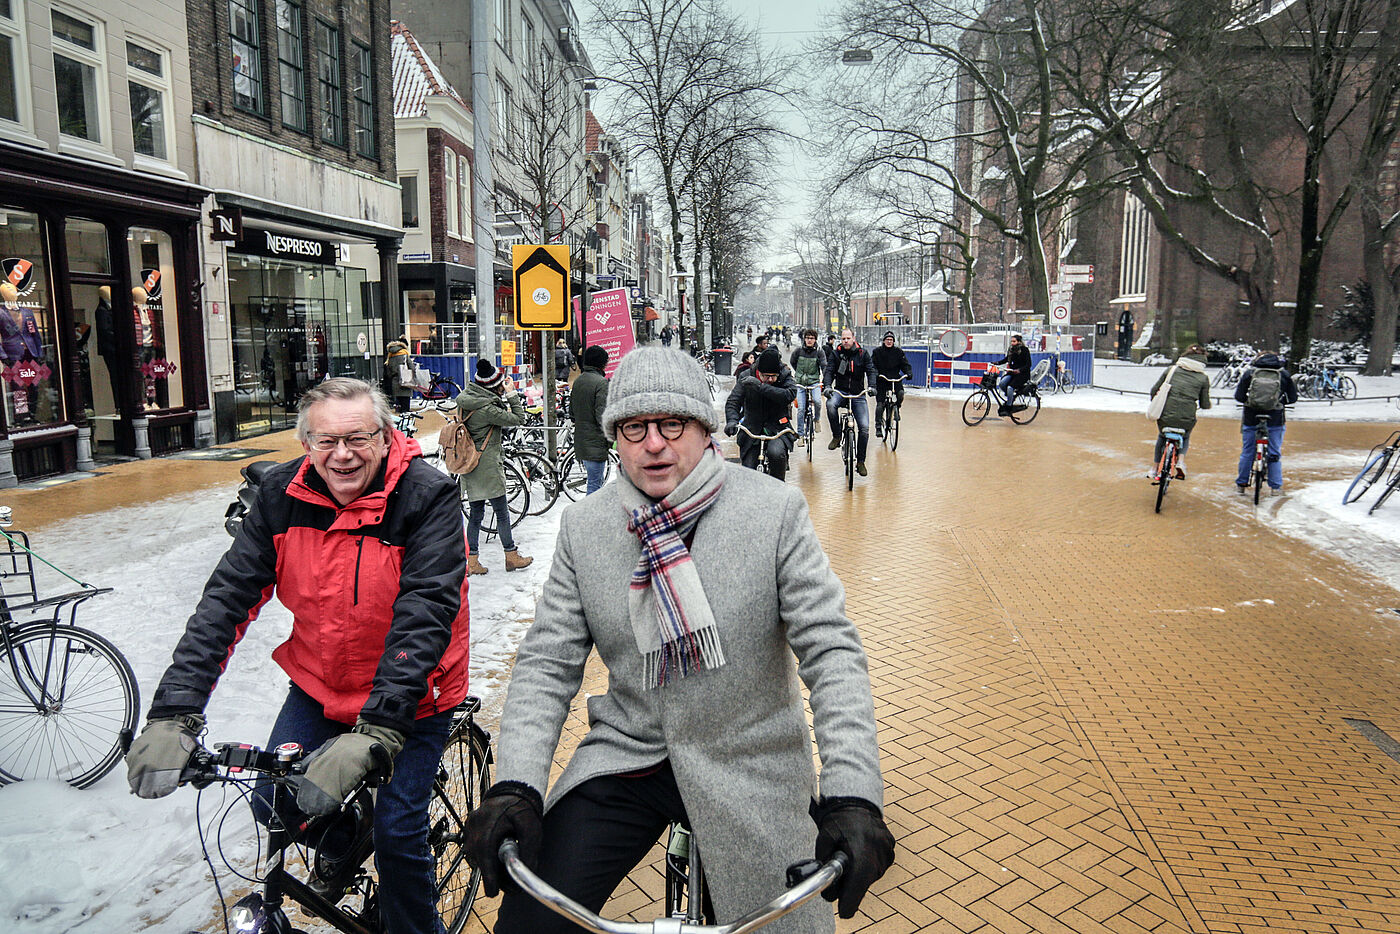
x=106 y=326
x=21 y=342
x=149 y=322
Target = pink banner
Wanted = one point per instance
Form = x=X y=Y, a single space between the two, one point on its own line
x=609 y=325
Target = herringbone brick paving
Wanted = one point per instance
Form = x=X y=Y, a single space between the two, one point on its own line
x=1092 y=718
x=1097 y=719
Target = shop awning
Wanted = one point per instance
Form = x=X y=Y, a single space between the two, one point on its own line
x=651 y=315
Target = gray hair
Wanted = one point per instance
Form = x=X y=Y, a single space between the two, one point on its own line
x=345 y=387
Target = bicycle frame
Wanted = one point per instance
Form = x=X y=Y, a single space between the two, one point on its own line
x=763 y=444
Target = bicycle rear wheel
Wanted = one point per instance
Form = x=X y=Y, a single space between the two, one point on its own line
x=88 y=705
x=517 y=500
x=1030 y=401
x=1164 y=474
x=1346 y=387
x=1259 y=468
x=544 y=481
x=1067 y=383
x=464 y=774
x=976 y=407
x=1373 y=471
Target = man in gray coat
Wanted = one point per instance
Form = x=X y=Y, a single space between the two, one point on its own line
x=589 y=397
x=703 y=719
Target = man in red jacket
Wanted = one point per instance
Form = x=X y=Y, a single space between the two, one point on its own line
x=362 y=541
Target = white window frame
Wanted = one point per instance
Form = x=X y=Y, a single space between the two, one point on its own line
x=464 y=196
x=97 y=60
x=503 y=26
x=163 y=85
x=16 y=29
x=449 y=190
x=1134 y=250
x=412 y=174
x=529 y=52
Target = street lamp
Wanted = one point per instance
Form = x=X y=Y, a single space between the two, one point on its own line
x=680 y=278
x=857 y=57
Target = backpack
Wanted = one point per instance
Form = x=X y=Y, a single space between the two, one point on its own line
x=459 y=452
x=1265 y=388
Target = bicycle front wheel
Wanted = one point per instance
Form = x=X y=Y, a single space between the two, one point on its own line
x=848 y=455
x=1067 y=383
x=464 y=774
x=892 y=429
x=1029 y=407
x=68 y=705
x=1373 y=471
x=543 y=480
x=1346 y=387
x=976 y=407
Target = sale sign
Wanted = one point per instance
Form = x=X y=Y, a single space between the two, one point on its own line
x=608 y=324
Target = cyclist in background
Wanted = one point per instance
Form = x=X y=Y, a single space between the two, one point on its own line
x=362 y=541
x=761 y=399
x=1264 y=389
x=703 y=717
x=891 y=362
x=1190 y=388
x=1018 y=369
x=850 y=372
x=807 y=363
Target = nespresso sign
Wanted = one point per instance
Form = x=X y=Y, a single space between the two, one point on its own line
x=285 y=246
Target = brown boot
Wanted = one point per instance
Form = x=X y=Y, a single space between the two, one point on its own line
x=474 y=566
x=515 y=561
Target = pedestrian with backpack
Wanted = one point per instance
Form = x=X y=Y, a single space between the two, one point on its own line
x=489 y=404
x=1264 y=389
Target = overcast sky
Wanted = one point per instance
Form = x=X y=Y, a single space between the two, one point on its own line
x=784 y=25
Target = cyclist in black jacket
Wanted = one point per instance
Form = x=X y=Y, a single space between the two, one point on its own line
x=1018 y=370
x=890 y=362
x=850 y=372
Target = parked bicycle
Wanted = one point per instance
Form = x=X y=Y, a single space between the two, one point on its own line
x=1320 y=381
x=1172 y=441
x=1023 y=407
x=889 y=423
x=1377 y=463
x=68 y=697
x=1057 y=378
x=337 y=884
x=806 y=880
x=442 y=392
x=1230 y=373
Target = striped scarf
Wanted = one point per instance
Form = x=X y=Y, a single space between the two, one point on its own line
x=671 y=617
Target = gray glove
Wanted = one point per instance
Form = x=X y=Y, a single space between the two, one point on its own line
x=333 y=771
x=160 y=754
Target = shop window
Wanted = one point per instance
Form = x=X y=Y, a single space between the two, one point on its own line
x=364 y=100
x=14 y=69
x=464 y=195
x=449 y=189
x=409 y=199
x=78 y=76
x=155 y=315
x=87 y=246
x=328 y=57
x=291 y=63
x=245 y=45
x=29 y=367
x=149 y=87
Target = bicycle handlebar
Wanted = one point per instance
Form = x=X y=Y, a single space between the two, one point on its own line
x=801 y=893
x=890 y=379
x=786 y=431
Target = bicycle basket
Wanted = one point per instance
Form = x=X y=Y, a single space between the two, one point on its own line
x=989 y=379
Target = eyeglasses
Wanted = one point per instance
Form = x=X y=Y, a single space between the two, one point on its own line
x=670 y=428
x=359 y=441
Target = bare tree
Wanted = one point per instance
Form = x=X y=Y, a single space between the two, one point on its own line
x=542 y=142
x=829 y=248
x=673 y=62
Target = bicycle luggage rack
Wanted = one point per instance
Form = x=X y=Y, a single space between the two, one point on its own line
x=17 y=565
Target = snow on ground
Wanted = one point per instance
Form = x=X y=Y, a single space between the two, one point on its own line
x=102 y=860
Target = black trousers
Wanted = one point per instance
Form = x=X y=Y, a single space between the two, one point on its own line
x=593 y=837
x=880 y=402
x=777 y=455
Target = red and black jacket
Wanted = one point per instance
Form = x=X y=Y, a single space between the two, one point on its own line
x=377 y=590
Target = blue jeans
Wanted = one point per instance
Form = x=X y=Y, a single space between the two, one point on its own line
x=407 y=899
x=803 y=394
x=474 y=516
x=596 y=471
x=1004 y=384
x=1272 y=455
x=862 y=414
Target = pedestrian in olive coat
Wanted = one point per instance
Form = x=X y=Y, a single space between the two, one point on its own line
x=1190 y=387
x=587 y=400
x=488 y=405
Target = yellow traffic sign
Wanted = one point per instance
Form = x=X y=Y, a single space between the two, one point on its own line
x=541 y=287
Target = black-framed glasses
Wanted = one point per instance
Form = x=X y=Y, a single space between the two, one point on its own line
x=358 y=441
x=670 y=428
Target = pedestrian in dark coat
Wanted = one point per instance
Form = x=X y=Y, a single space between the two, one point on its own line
x=589 y=399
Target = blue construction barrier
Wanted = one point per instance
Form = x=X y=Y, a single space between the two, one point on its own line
x=965 y=372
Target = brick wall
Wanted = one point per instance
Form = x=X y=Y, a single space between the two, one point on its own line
x=359 y=21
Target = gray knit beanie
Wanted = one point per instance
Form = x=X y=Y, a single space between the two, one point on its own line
x=658 y=381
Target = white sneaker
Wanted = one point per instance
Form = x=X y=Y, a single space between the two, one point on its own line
x=1275 y=491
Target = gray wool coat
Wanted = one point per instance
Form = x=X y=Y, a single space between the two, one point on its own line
x=737 y=737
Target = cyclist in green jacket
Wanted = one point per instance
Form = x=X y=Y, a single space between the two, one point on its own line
x=807 y=363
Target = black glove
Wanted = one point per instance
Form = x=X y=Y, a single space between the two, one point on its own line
x=854 y=826
x=731 y=430
x=159 y=755
x=511 y=810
